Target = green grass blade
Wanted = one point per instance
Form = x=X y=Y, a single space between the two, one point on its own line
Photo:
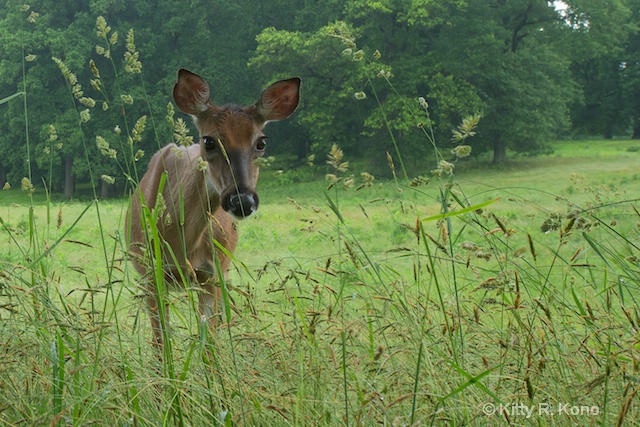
x=595 y=247
x=9 y=98
x=334 y=207
x=461 y=211
x=57 y=367
x=416 y=381
x=583 y=312
x=472 y=380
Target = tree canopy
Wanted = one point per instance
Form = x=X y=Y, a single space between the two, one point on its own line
x=94 y=78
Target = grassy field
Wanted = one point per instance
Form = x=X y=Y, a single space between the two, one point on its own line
x=365 y=307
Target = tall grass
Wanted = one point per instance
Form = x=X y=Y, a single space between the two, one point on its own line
x=424 y=302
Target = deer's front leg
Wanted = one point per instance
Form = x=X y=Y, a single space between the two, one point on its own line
x=209 y=302
x=154 y=315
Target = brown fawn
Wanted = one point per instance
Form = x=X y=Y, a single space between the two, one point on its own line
x=204 y=188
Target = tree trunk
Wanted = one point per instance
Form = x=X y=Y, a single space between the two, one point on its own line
x=499 y=151
x=3 y=176
x=636 y=129
x=69 y=181
x=302 y=150
x=608 y=130
x=104 y=189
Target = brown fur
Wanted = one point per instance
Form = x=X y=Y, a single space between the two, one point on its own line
x=231 y=173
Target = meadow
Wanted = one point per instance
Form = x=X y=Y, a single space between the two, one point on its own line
x=495 y=296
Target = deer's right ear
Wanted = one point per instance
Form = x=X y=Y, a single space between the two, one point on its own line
x=191 y=93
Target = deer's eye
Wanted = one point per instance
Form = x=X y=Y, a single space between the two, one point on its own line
x=210 y=143
x=262 y=143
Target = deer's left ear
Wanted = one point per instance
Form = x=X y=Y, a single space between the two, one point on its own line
x=279 y=100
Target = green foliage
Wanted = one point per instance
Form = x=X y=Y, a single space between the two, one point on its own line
x=602 y=51
x=330 y=81
x=503 y=50
x=534 y=73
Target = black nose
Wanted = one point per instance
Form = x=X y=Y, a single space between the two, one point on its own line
x=241 y=205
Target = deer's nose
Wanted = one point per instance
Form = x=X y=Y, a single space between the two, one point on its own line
x=241 y=204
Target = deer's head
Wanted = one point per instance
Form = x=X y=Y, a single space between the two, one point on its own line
x=232 y=138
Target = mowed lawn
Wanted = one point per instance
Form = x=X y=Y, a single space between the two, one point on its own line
x=348 y=307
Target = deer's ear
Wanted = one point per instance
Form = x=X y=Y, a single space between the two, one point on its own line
x=191 y=93
x=279 y=100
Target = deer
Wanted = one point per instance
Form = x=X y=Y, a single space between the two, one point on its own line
x=199 y=193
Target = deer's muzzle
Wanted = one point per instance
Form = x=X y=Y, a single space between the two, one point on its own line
x=240 y=203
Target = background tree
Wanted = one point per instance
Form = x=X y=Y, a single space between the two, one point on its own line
x=535 y=74
x=631 y=73
x=598 y=47
x=329 y=113
x=504 y=50
x=15 y=40
x=346 y=67
x=57 y=29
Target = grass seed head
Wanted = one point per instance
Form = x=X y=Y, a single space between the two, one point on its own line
x=105 y=148
x=181 y=133
x=94 y=69
x=202 y=164
x=53 y=134
x=26 y=185
x=33 y=17
x=102 y=28
x=334 y=159
x=108 y=179
x=132 y=63
x=461 y=151
x=138 y=128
